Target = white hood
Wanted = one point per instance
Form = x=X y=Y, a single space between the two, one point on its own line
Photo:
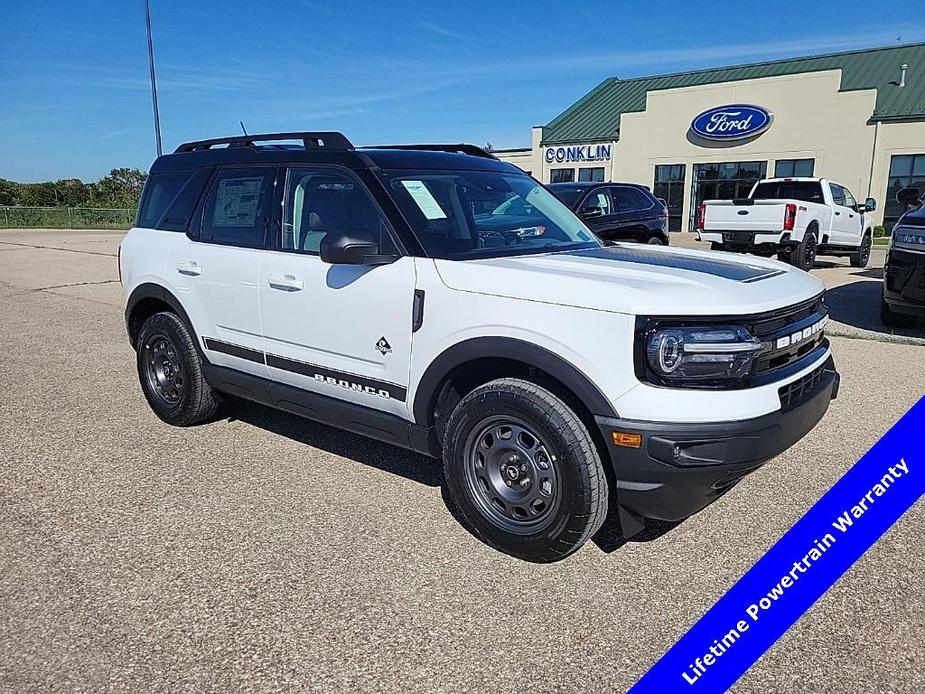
x=638 y=280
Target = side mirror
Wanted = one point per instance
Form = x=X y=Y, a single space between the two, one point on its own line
x=352 y=248
x=592 y=212
x=910 y=197
x=870 y=205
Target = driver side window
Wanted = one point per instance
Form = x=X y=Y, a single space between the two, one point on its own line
x=319 y=201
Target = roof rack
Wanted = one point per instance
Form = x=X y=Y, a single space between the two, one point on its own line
x=310 y=140
x=460 y=148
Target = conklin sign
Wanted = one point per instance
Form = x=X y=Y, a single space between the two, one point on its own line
x=732 y=122
x=578 y=153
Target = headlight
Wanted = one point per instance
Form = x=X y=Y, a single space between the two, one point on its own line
x=701 y=354
x=908 y=238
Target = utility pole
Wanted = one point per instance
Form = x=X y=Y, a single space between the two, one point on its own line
x=157 y=117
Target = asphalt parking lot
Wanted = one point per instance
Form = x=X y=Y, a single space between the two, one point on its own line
x=261 y=552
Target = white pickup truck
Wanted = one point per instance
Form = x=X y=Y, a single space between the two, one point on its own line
x=794 y=218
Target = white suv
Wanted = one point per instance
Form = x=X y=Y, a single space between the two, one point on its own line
x=377 y=290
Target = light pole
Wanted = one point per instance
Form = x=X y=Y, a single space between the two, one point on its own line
x=157 y=117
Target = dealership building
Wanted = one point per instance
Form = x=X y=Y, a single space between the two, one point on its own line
x=858 y=118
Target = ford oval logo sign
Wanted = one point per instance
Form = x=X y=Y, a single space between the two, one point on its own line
x=733 y=122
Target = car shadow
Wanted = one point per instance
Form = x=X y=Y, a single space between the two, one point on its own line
x=396 y=461
x=858 y=304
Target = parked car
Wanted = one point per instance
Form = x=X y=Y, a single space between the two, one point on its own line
x=555 y=377
x=617 y=211
x=794 y=218
x=903 y=300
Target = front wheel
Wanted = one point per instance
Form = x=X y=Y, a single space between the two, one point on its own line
x=655 y=241
x=862 y=256
x=523 y=471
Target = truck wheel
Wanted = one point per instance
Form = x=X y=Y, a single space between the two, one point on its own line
x=891 y=318
x=803 y=255
x=523 y=471
x=861 y=258
x=170 y=372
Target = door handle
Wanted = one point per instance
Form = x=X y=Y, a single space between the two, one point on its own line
x=286 y=283
x=837 y=214
x=189 y=267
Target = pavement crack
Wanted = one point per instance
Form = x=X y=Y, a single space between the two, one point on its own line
x=73 y=284
x=54 y=248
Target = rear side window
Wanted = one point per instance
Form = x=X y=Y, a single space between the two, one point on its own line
x=838 y=194
x=169 y=200
x=160 y=190
x=626 y=199
x=807 y=191
x=237 y=211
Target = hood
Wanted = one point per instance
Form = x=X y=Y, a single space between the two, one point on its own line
x=638 y=280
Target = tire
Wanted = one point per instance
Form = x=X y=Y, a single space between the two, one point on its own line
x=170 y=372
x=803 y=255
x=523 y=471
x=862 y=257
x=655 y=241
x=717 y=246
x=784 y=256
x=891 y=318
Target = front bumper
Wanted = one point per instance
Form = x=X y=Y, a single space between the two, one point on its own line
x=681 y=468
x=904 y=281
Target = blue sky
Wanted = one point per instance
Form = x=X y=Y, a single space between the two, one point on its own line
x=75 y=100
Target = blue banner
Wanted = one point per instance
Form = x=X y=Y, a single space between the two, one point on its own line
x=799 y=568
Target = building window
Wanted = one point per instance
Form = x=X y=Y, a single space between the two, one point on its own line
x=905 y=170
x=793 y=168
x=669 y=186
x=588 y=174
x=561 y=175
x=725 y=181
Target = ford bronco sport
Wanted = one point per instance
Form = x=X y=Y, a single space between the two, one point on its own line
x=369 y=289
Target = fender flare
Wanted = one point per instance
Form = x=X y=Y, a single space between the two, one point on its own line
x=150 y=290
x=512 y=349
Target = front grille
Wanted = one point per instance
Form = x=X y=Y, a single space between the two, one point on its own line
x=794 y=394
x=793 y=321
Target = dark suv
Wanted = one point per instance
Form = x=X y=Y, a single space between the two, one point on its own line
x=617 y=211
x=903 y=300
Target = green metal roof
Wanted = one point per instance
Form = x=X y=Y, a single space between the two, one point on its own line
x=596 y=116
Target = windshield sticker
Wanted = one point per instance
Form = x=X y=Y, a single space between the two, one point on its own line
x=425 y=201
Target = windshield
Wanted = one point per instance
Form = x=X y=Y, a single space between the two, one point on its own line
x=807 y=191
x=480 y=214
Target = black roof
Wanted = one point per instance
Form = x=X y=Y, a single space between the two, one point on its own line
x=585 y=185
x=326 y=148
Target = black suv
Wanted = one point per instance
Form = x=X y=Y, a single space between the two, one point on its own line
x=903 y=300
x=617 y=211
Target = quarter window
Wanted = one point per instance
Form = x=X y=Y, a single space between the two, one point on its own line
x=319 y=201
x=160 y=190
x=561 y=175
x=238 y=210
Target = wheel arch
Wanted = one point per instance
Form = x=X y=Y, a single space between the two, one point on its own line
x=504 y=352
x=150 y=298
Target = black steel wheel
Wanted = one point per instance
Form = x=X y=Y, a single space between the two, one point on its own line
x=862 y=257
x=523 y=471
x=511 y=475
x=170 y=372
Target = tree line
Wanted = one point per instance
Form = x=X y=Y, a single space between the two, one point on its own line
x=120 y=189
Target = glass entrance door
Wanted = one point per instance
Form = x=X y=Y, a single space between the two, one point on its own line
x=669 y=186
x=724 y=181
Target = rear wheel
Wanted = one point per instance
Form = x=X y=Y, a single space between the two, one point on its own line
x=170 y=372
x=862 y=256
x=655 y=241
x=803 y=255
x=523 y=471
x=891 y=318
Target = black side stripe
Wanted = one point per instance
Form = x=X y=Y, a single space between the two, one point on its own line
x=234 y=350
x=342 y=379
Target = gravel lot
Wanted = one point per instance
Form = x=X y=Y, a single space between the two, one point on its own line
x=262 y=552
